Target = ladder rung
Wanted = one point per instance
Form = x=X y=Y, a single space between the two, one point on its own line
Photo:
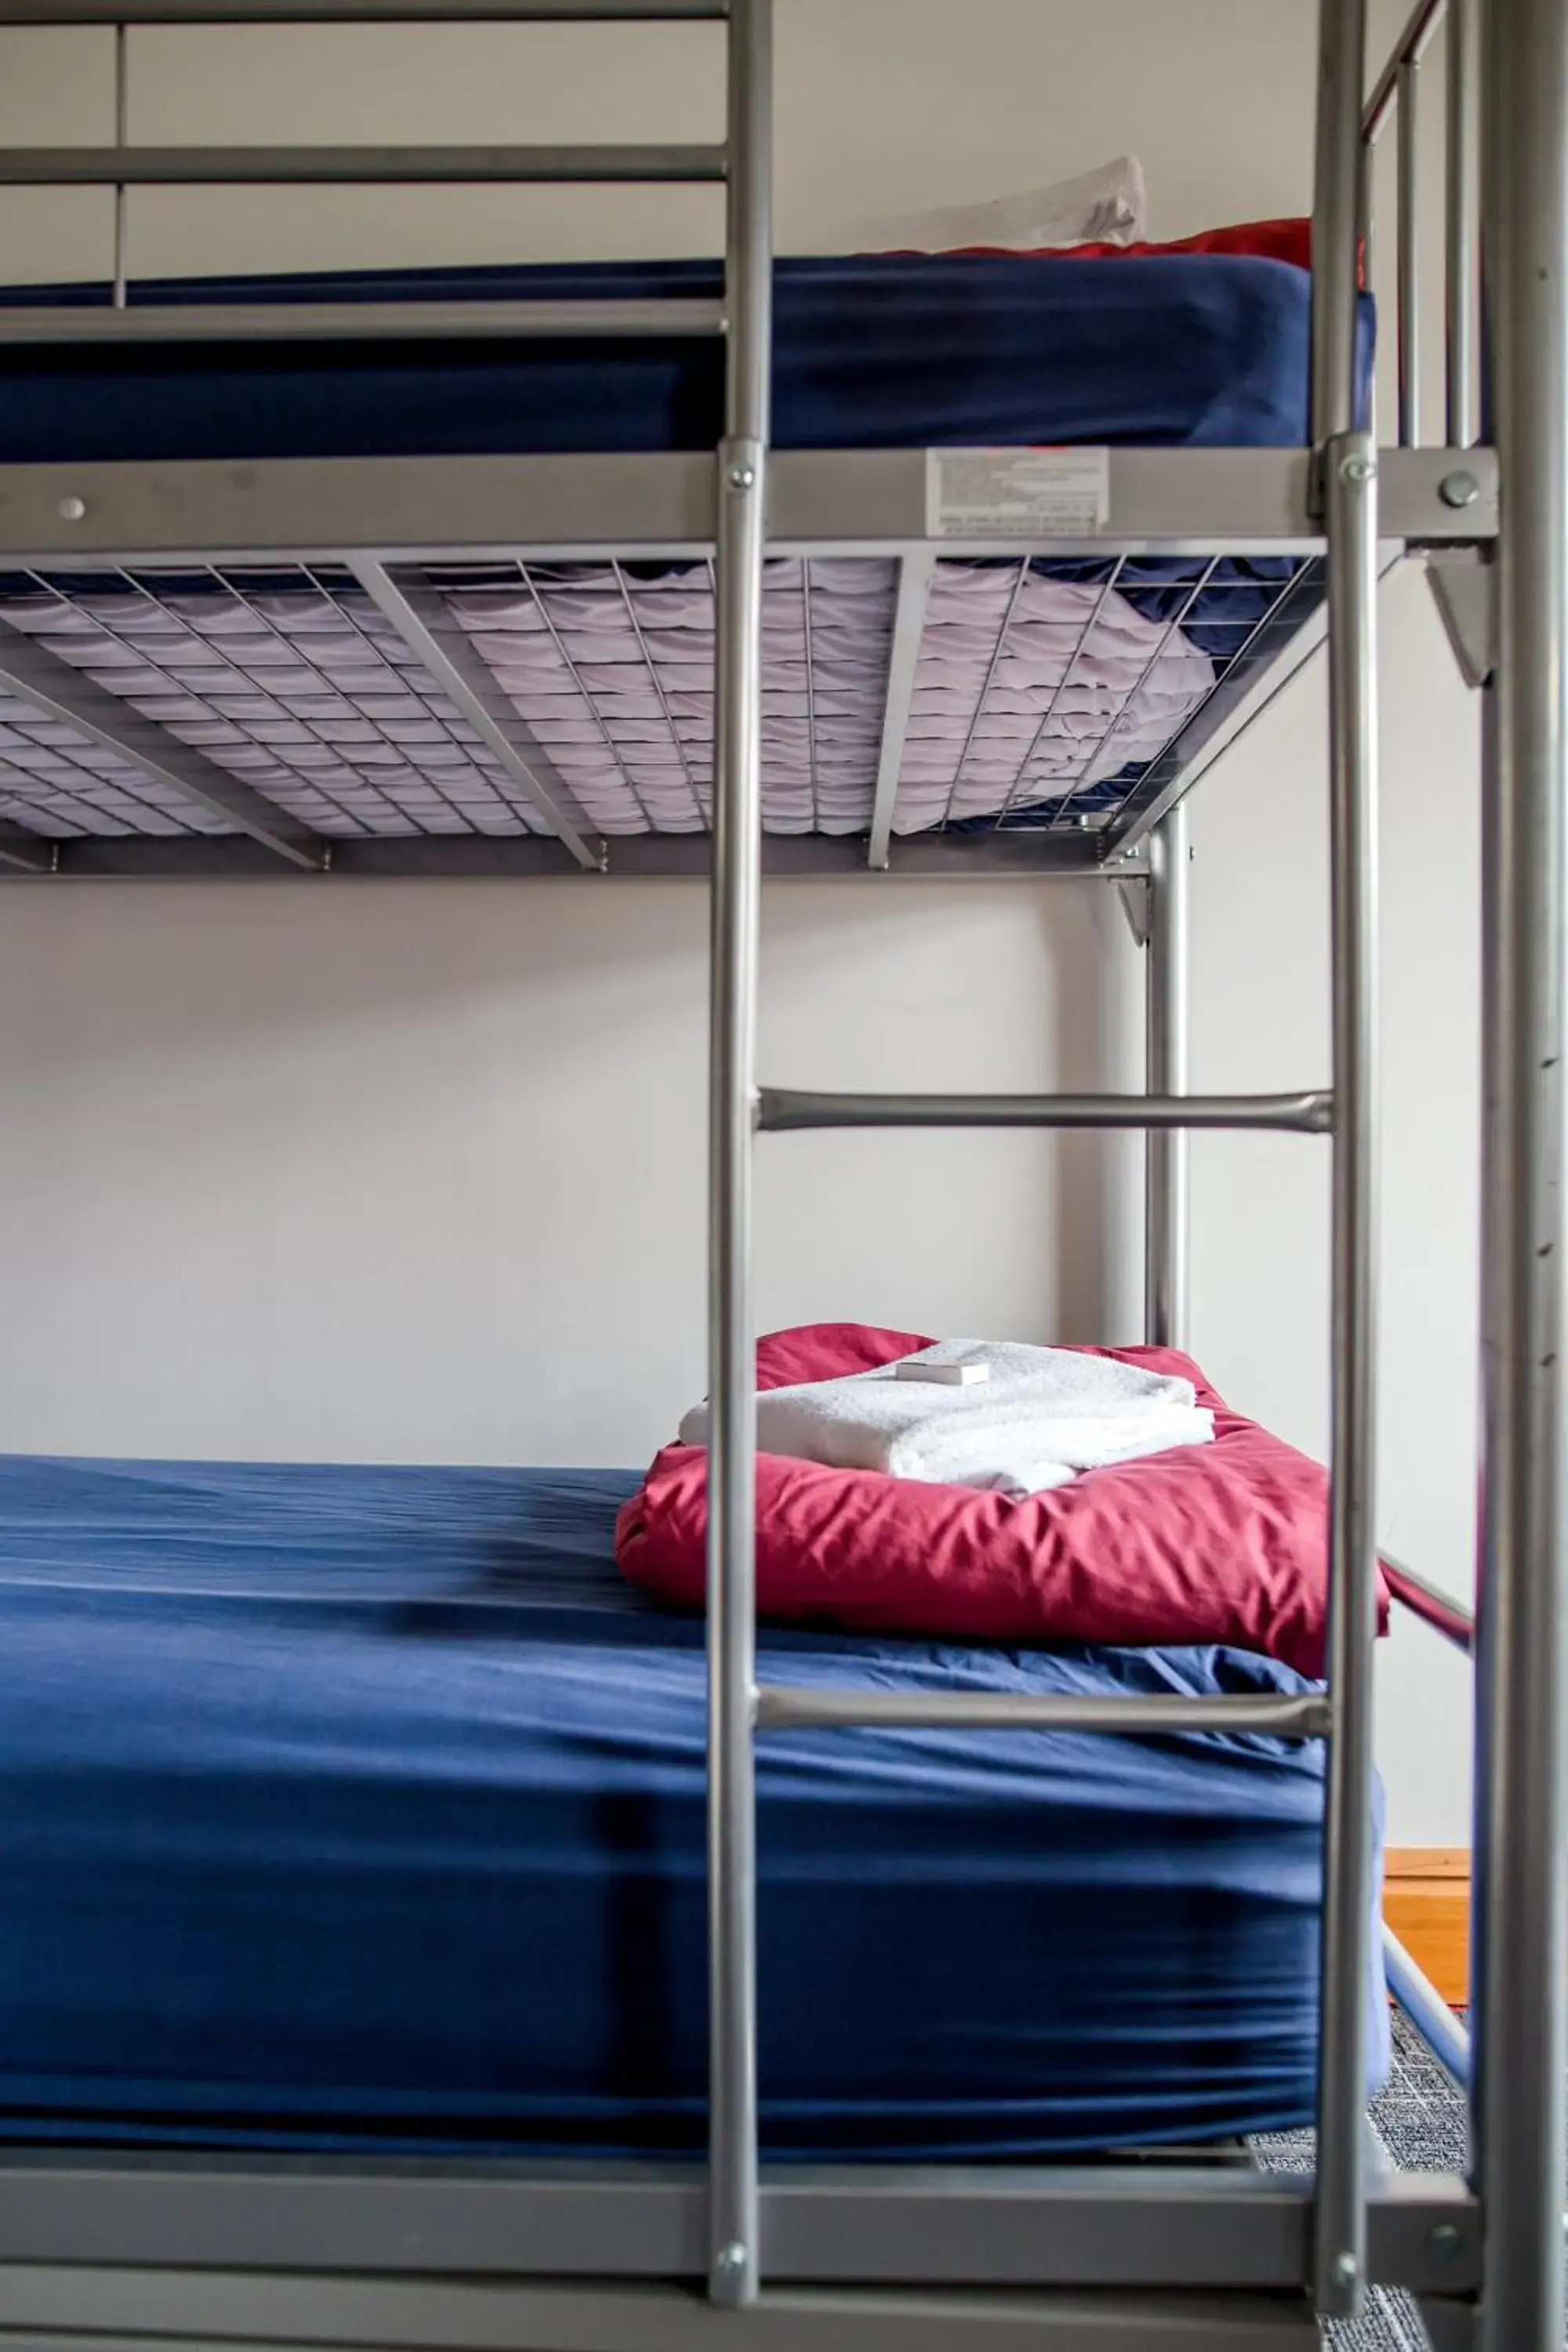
x=214 y=167
x=779 y=1708
x=780 y=1108
x=176 y=323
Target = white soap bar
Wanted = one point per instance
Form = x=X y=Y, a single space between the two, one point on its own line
x=947 y=1376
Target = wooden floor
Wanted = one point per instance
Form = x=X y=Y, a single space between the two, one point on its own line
x=1426 y=1902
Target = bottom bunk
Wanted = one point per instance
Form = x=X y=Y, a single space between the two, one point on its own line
x=362 y=1810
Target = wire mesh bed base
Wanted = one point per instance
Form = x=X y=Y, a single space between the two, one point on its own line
x=1040 y=695
x=475 y=710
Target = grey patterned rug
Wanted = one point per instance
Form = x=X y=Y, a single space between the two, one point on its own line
x=1420 y=2118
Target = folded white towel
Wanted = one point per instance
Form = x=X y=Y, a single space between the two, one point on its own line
x=1041 y=1416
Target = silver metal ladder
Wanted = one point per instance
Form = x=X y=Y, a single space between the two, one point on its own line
x=1524 y=928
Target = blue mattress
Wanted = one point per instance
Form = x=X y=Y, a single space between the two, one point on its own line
x=889 y=351
x=363 y=1808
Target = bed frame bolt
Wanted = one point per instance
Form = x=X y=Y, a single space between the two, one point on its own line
x=1359 y=470
x=742 y=478
x=1460 y=489
x=1347 y=2270
x=729 y=2261
x=72 y=509
x=1445 y=2245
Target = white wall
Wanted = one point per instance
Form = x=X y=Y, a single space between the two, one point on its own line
x=884 y=105
x=417 y=1174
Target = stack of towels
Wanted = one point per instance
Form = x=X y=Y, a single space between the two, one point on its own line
x=1026 y=1419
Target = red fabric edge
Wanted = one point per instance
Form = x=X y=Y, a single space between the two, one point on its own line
x=1288 y=241
x=1275 y=240
x=1446 y=1618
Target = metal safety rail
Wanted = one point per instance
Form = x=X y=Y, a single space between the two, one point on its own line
x=121 y=166
x=1062 y=2257
x=1397 y=95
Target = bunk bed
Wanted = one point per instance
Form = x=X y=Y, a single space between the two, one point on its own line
x=616 y=571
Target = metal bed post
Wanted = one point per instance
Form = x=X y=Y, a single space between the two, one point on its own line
x=1167 y=1220
x=1517 y=2150
x=732 y=2215
x=1407 y=252
x=1341 y=45
x=1348 y=463
x=1353 y=1616
x=1461 y=222
x=1367 y=243
x=121 y=134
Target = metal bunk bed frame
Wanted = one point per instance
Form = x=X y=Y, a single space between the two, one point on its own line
x=108 y=2249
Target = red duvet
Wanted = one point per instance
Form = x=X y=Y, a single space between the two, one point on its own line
x=1211 y=1543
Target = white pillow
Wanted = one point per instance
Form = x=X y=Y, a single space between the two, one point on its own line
x=1106 y=207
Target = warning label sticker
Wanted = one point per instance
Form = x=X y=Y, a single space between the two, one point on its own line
x=1016 y=493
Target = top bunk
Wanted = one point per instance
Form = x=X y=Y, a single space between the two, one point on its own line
x=387 y=573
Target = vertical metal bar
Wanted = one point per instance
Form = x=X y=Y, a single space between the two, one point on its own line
x=749 y=223
x=1409 y=254
x=1366 y=209
x=737 y=873
x=1349 y=485
x=1462 y=221
x=1341 y=55
x=1366 y=245
x=1166 y=1215
x=1495 y=1152
x=1493 y=1284
x=121 y=108
x=1341 y=2238
x=1521 y=1826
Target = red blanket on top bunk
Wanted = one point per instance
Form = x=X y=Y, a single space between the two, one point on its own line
x=1222 y=1543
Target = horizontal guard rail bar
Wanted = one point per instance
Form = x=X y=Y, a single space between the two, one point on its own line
x=789 y=1707
x=236 y=167
x=360 y=12
x=780 y=1109
x=1427 y=2010
x=1410 y=48
x=176 y=323
x=1431 y=1604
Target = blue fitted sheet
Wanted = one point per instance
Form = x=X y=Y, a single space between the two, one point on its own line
x=883 y=350
x=363 y=1808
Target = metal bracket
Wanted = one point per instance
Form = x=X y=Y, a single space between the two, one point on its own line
x=1136 y=896
x=1132 y=875
x=1464 y=590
